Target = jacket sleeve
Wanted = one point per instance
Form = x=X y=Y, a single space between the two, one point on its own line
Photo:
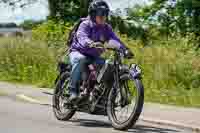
x=114 y=41
x=83 y=34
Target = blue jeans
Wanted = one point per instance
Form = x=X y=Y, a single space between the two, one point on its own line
x=79 y=64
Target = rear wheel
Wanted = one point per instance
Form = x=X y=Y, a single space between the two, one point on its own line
x=61 y=94
x=124 y=107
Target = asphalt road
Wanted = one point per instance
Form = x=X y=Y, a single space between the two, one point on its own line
x=21 y=117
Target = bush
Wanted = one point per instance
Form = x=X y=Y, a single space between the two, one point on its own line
x=30 y=24
x=52 y=32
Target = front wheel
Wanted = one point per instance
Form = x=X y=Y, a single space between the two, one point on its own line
x=60 y=96
x=125 y=104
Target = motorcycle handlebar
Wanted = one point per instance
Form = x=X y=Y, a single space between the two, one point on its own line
x=103 y=47
x=126 y=55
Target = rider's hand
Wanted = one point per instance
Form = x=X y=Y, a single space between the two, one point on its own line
x=97 y=44
x=113 y=44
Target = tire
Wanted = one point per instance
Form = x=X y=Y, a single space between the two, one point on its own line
x=56 y=108
x=136 y=112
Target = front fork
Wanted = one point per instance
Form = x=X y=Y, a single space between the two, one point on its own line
x=56 y=80
x=117 y=87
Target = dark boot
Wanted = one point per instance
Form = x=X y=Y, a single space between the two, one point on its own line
x=73 y=95
x=73 y=98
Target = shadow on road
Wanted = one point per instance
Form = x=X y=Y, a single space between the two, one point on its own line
x=92 y=123
x=136 y=129
x=147 y=129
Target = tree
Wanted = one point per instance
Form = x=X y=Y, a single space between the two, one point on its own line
x=183 y=14
x=59 y=9
x=15 y=3
x=8 y=25
x=29 y=24
x=68 y=9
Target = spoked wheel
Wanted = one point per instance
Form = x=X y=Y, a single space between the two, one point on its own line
x=60 y=97
x=125 y=105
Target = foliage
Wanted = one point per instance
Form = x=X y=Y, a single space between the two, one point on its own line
x=176 y=15
x=129 y=28
x=30 y=24
x=67 y=10
x=20 y=3
x=166 y=18
x=54 y=33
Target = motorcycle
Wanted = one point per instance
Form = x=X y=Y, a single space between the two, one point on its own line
x=117 y=92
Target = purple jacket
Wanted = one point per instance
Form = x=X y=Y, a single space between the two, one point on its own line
x=88 y=32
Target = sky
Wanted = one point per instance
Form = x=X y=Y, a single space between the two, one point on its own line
x=39 y=10
x=114 y=4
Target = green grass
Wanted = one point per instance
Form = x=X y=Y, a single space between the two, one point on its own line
x=171 y=75
x=2 y=93
x=171 y=72
x=27 y=61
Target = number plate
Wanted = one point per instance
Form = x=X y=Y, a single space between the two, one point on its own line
x=135 y=71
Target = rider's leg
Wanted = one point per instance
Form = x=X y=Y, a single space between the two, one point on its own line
x=99 y=61
x=93 y=71
x=79 y=62
x=79 y=65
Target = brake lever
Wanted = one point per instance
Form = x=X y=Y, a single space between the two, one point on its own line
x=128 y=54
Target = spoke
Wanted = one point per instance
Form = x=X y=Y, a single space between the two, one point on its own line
x=125 y=116
x=124 y=110
x=127 y=111
x=123 y=113
x=62 y=99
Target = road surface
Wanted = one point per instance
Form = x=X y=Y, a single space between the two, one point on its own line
x=21 y=117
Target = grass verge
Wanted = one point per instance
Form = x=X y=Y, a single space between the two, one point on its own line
x=171 y=73
x=2 y=93
x=27 y=61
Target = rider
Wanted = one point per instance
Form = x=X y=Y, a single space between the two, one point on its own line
x=93 y=30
